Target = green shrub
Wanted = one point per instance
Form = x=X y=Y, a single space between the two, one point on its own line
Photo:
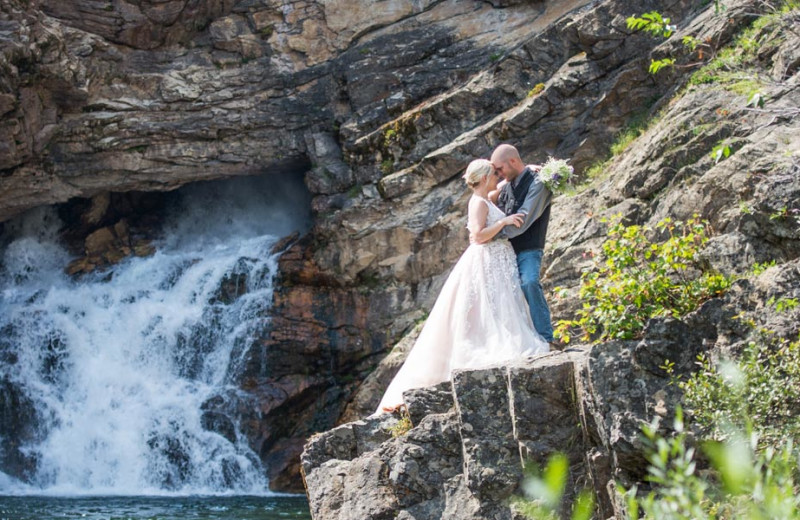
x=758 y=268
x=678 y=492
x=403 y=426
x=783 y=304
x=733 y=57
x=742 y=483
x=727 y=65
x=635 y=279
x=745 y=423
x=760 y=392
x=745 y=415
x=536 y=90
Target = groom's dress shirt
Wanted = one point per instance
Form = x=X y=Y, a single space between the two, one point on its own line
x=536 y=206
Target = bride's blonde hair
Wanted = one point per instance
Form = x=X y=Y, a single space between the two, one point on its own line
x=476 y=171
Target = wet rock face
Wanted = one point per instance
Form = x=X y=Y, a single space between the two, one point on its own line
x=19 y=425
x=109 y=227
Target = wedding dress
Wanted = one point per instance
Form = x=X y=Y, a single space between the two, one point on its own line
x=480 y=318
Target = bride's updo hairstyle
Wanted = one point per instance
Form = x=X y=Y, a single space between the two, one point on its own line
x=476 y=171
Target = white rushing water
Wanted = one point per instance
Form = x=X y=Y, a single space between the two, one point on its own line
x=119 y=363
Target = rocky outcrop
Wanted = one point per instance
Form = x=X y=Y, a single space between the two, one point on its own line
x=591 y=400
x=473 y=438
x=153 y=95
x=379 y=110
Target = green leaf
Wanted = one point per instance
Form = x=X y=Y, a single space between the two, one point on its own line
x=756 y=100
x=584 y=506
x=656 y=65
x=690 y=42
x=555 y=478
x=720 y=151
x=734 y=461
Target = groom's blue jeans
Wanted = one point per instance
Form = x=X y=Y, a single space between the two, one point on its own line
x=530 y=264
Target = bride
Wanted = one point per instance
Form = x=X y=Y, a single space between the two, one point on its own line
x=480 y=317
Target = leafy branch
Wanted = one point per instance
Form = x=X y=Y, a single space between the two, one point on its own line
x=659 y=26
x=635 y=279
x=653 y=23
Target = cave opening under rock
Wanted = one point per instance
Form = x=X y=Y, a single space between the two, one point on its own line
x=104 y=229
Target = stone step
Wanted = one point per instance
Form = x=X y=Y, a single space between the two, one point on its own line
x=466 y=453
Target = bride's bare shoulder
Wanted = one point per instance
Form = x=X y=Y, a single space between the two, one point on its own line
x=477 y=202
x=478 y=206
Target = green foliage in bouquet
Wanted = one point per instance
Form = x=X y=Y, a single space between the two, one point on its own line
x=635 y=279
x=557 y=175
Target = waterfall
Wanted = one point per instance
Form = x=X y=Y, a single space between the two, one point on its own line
x=119 y=364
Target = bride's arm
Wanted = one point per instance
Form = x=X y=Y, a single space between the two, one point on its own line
x=478 y=211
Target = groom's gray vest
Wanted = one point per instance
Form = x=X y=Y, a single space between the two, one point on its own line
x=510 y=200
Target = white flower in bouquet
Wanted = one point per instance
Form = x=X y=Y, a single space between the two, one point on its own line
x=556 y=174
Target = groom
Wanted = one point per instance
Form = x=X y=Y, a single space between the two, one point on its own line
x=525 y=193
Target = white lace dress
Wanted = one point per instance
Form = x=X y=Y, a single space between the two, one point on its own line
x=480 y=318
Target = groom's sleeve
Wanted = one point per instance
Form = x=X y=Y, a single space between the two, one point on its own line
x=533 y=206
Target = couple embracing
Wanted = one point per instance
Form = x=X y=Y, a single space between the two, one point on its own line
x=491 y=309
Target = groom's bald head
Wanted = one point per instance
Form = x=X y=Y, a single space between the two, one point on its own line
x=505 y=152
x=507 y=162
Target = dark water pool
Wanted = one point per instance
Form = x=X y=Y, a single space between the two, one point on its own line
x=154 y=508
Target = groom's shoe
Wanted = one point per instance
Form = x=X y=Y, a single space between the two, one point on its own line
x=557 y=345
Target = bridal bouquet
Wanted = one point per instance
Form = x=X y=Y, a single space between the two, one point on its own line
x=556 y=174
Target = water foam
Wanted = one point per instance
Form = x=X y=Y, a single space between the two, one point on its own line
x=120 y=363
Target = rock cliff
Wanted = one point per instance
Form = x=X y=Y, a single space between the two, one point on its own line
x=379 y=107
x=472 y=437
